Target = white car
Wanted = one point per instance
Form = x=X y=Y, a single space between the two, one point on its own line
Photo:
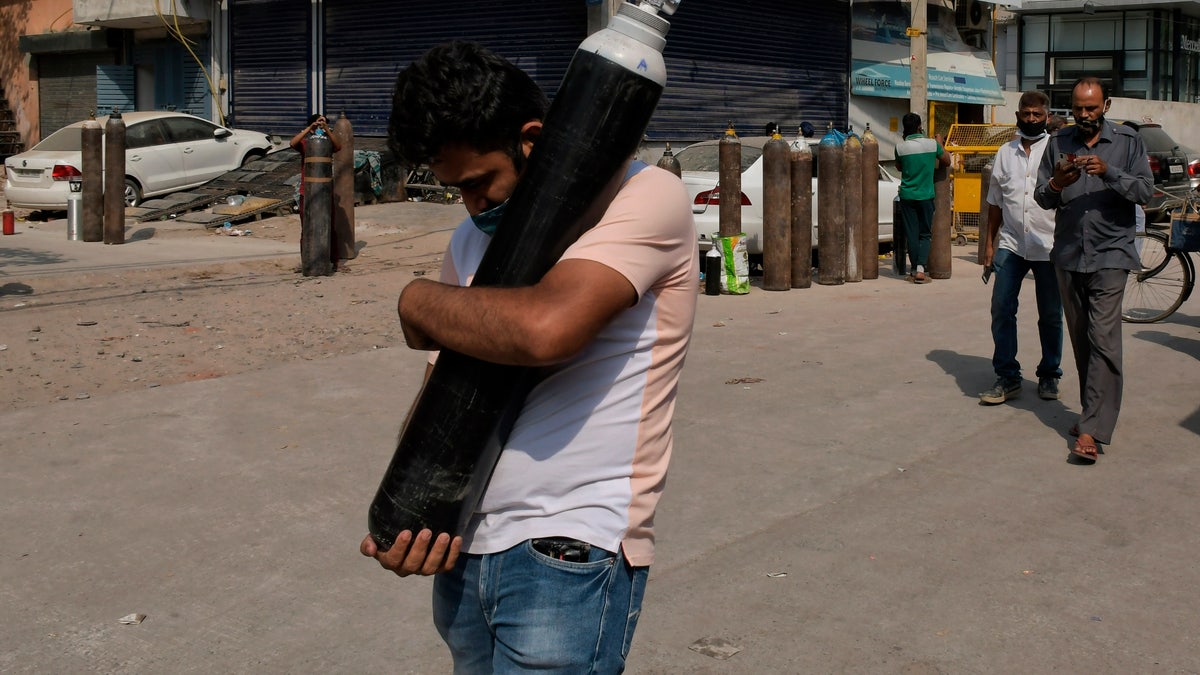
x=699 y=164
x=164 y=152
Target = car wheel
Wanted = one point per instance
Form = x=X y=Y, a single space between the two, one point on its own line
x=133 y=192
x=250 y=157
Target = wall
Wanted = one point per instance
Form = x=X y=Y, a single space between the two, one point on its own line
x=17 y=78
x=1177 y=119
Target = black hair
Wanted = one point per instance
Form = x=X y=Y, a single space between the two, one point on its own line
x=1092 y=81
x=313 y=118
x=911 y=123
x=1034 y=99
x=461 y=92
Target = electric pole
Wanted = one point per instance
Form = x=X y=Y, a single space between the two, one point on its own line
x=918 y=39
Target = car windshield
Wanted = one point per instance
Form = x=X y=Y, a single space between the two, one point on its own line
x=705 y=157
x=1156 y=139
x=66 y=139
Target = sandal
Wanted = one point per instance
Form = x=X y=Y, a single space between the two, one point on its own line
x=1086 y=451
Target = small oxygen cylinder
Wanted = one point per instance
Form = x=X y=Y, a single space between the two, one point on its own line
x=712 y=271
x=461 y=420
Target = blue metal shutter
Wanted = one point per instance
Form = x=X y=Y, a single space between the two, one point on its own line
x=179 y=82
x=114 y=89
x=366 y=45
x=269 y=54
x=754 y=62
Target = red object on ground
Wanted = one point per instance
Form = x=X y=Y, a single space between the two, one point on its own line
x=9 y=223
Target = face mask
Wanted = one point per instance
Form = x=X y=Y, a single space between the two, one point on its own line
x=487 y=220
x=1031 y=130
x=1089 y=127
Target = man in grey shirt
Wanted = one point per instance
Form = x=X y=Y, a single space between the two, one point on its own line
x=1094 y=175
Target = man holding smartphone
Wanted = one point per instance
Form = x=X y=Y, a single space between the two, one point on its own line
x=1019 y=237
x=1101 y=175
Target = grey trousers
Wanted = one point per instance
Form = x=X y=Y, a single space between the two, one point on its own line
x=1092 y=308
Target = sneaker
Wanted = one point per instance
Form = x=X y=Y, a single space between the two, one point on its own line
x=1001 y=391
x=1048 y=388
x=920 y=278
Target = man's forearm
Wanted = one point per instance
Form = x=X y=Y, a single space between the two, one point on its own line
x=473 y=321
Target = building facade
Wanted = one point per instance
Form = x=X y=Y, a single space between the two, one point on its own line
x=1146 y=50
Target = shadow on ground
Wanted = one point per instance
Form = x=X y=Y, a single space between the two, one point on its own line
x=23 y=257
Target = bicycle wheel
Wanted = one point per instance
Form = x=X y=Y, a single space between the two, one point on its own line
x=1160 y=287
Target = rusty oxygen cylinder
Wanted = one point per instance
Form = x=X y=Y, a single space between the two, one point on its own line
x=461 y=419
x=114 y=179
x=777 y=215
x=869 y=245
x=669 y=162
x=831 y=211
x=802 y=220
x=342 y=246
x=729 y=174
x=91 y=140
x=852 y=169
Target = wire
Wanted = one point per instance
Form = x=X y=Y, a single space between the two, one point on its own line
x=177 y=33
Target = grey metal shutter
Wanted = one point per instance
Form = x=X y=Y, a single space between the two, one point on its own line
x=269 y=54
x=67 y=87
x=754 y=62
x=365 y=47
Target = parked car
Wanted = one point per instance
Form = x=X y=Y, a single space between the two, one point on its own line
x=165 y=152
x=1175 y=172
x=699 y=164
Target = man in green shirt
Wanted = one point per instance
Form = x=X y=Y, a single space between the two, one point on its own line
x=917 y=157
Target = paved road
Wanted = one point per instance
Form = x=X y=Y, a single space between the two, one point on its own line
x=42 y=249
x=838 y=502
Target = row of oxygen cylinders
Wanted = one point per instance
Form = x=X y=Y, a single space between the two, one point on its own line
x=847 y=206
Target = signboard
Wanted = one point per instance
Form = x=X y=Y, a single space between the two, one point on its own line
x=881 y=53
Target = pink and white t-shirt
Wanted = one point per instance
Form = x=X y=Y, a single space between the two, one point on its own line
x=587 y=457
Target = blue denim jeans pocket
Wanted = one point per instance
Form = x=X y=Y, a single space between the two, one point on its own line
x=521 y=610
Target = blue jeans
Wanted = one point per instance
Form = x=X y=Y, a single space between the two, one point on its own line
x=519 y=610
x=1010 y=271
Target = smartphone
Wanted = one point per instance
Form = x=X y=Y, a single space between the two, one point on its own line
x=1069 y=156
x=987 y=273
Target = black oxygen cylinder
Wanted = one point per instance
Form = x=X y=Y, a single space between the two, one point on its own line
x=316 y=228
x=446 y=453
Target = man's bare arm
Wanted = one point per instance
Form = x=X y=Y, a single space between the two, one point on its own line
x=537 y=325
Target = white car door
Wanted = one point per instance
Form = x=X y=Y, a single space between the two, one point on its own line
x=151 y=159
x=204 y=155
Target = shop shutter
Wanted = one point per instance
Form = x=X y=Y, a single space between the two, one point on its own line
x=269 y=54
x=365 y=47
x=114 y=89
x=67 y=87
x=754 y=62
x=179 y=82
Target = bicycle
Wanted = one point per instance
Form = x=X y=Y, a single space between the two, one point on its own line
x=1167 y=276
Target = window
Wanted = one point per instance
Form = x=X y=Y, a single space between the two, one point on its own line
x=188 y=130
x=145 y=134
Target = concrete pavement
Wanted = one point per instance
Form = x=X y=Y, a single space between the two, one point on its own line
x=42 y=249
x=838 y=502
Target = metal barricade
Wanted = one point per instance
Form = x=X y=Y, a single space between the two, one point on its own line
x=974 y=145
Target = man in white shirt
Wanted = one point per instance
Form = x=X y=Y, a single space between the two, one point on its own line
x=1020 y=235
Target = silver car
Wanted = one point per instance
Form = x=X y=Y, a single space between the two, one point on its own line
x=165 y=152
x=698 y=163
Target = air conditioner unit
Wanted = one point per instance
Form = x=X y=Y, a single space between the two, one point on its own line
x=973 y=15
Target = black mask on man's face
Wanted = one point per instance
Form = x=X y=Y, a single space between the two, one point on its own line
x=1031 y=129
x=1089 y=127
